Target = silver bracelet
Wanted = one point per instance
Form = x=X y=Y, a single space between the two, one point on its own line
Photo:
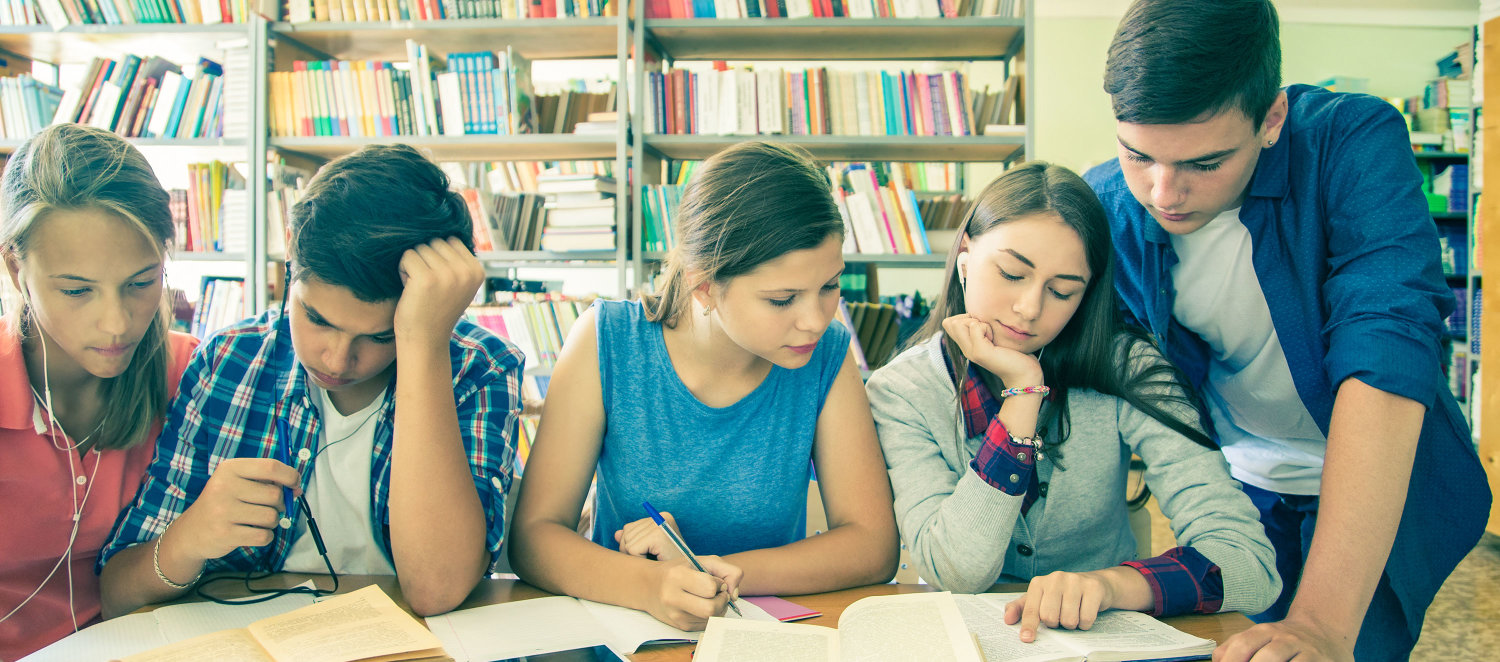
x=156 y=563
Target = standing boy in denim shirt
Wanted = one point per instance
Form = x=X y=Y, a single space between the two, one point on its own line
x=1277 y=243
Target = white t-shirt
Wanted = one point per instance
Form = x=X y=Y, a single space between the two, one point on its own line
x=339 y=495
x=1268 y=437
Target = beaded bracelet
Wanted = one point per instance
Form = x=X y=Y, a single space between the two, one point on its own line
x=1024 y=389
x=156 y=563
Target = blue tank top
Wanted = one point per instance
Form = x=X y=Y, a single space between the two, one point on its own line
x=734 y=477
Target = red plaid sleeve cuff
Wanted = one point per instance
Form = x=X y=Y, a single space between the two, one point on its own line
x=1005 y=466
x=1182 y=582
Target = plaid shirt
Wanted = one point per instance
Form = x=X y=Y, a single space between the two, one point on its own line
x=245 y=377
x=1182 y=580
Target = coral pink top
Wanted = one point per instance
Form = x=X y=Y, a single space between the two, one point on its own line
x=37 y=491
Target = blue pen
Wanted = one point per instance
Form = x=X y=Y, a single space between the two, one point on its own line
x=681 y=546
x=283 y=454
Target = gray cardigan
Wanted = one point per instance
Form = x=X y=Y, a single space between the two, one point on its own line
x=965 y=535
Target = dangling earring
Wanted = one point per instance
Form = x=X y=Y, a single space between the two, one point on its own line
x=707 y=310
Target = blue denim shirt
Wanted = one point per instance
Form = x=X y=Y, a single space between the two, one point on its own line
x=1347 y=256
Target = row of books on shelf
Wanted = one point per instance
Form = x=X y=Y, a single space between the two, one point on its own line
x=211 y=215
x=1463 y=326
x=305 y=11
x=459 y=94
x=221 y=302
x=822 y=101
x=153 y=98
x=879 y=328
x=731 y=9
x=62 y=13
x=537 y=323
x=881 y=209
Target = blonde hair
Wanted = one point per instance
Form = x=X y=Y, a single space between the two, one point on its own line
x=72 y=167
x=745 y=206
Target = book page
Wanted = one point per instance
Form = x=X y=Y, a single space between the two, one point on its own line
x=516 y=629
x=629 y=628
x=741 y=640
x=111 y=639
x=1113 y=631
x=195 y=619
x=914 y=626
x=1122 y=631
x=354 y=626
x=226 y=646
x=1000 y=642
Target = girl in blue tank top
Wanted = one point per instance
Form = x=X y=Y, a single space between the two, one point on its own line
x=712 y=399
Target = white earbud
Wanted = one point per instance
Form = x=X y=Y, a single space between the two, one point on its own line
x=963 y=268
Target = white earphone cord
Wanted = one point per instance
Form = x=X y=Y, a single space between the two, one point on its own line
x=67 y=555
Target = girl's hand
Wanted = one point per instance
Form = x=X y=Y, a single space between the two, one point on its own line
x=645 y=539
x=1072 y=600
x=976 y=340
x=685 y=598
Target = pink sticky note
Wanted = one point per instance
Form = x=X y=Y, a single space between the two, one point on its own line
x=783 y=610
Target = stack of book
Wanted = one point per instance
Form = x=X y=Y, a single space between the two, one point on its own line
x=819 y=101
x=62 y=13
x=149 y=98
x=211 y=215
x=221 y=302
x=304 y=11
x=833 y=8
x=580 y=212
x=1439 y=118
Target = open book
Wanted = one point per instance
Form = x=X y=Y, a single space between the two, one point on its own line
x=1116 y=636
x=362 y=626
x=913 y=626
x=546 y=625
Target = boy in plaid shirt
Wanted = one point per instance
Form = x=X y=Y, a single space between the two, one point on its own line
x=308 y=398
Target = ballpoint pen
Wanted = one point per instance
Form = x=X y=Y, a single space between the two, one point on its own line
x=682 y=546
x=283 y=454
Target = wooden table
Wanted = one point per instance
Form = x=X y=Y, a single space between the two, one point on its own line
x=1218 y=627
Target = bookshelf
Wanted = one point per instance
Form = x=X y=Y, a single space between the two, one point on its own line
x=623 y=41
x=537 y=39
x=951 y=40
x=74 y=46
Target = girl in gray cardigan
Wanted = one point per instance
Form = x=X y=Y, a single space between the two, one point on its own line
x=1009 y=463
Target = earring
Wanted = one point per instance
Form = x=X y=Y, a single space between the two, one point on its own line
x=707 y=310
x=1270 y=143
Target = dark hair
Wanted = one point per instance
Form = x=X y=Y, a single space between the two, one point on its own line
x=72 y=167
x=1096 y=349
x=745 y=206
x=1174 y=61
x=362 y=211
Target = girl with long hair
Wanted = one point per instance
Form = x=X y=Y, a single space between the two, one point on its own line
x=1009 y=423
x=87 y=367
